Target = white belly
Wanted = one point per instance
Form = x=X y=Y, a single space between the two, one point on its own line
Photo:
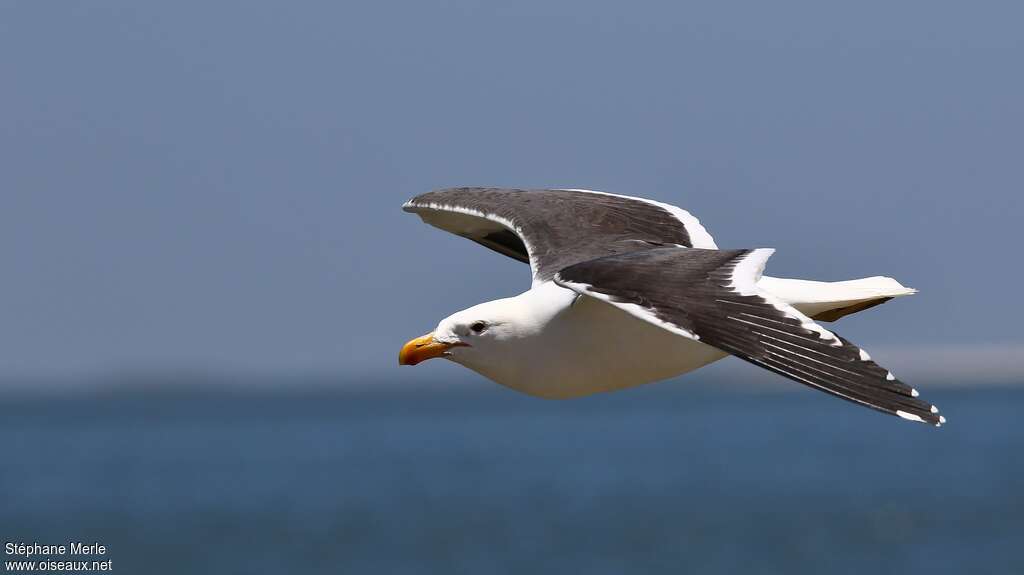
x=592 y=347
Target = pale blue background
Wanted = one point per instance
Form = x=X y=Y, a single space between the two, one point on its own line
x=216 y=187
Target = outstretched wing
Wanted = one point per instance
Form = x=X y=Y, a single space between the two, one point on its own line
x=712 y=296
x=554 y=229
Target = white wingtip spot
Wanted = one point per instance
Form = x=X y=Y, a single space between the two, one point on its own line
x=914 y=393
x=942 y=420
x=889 y=376
x=864 y=356
x=910 y=416
x=935 y=409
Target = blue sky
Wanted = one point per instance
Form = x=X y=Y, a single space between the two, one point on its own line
x=217 y=186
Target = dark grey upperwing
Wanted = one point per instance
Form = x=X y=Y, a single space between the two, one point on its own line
x=712 y=296
x=553 y=229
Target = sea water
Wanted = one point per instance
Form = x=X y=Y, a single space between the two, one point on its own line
x=659 y=480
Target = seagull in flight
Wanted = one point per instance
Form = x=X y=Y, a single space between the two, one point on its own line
x=628 y=291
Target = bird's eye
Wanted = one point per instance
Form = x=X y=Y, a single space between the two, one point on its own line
x=478 y=326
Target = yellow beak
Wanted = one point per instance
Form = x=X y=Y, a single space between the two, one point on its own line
x=421 y=349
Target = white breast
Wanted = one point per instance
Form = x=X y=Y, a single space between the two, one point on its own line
x=588 y=346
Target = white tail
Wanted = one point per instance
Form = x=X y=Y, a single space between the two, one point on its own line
x=829 y=301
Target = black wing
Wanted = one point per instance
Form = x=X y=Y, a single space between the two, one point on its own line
x=712 y=296
x=553 y=229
